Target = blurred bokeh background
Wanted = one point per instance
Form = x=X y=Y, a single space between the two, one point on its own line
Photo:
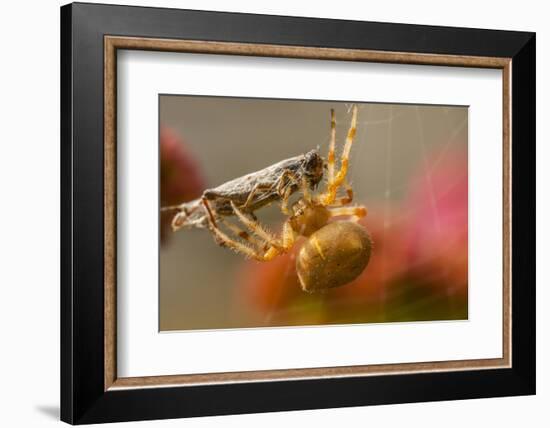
x=409 y=167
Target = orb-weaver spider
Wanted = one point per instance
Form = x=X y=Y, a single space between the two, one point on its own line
x=335 y=252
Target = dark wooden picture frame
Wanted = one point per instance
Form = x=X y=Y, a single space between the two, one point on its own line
x=90 y=389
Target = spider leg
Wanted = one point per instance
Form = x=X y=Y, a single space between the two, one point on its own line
x=337 y=180
x=224 y=240
x=289 y=236
x=356 y=212
x=344 y=200
x=266 y=253
x=284 y=201
x=256 y=228
x=237 y=231
x=288 y=239
x=271 y=247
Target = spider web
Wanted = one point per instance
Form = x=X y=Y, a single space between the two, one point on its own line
x=363 y=147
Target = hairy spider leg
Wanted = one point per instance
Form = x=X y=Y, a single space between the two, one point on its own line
x=226 y=241
x=256 y=228
x=334 y=183
x=237 y=231
x=356 y=212
x=344 y=200
x=275 y=246
x=262 y=255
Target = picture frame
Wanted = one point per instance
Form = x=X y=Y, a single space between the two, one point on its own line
x=91 y=36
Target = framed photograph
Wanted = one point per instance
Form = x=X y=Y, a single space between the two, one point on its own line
x=265 y=213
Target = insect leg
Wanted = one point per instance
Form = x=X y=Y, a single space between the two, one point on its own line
x=257 y=187
x=171 y=208
x=181 y=218
x=284 y=188
x=305 y=189
x=208 y=210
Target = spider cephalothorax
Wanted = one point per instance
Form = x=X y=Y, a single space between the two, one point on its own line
x=334 y=253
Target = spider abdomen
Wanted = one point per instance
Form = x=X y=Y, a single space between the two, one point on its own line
x=333 y=256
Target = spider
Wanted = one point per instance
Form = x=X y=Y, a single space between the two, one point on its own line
x=334 y=252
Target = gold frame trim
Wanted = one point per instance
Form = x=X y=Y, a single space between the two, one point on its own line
x=112 y=43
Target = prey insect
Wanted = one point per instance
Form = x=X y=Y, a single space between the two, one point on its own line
x=250 y=192
x=334 y=252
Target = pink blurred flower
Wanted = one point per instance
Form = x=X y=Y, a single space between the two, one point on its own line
x=273 y=287
x=180 y=176
x=418 y=268
x=436 y=238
